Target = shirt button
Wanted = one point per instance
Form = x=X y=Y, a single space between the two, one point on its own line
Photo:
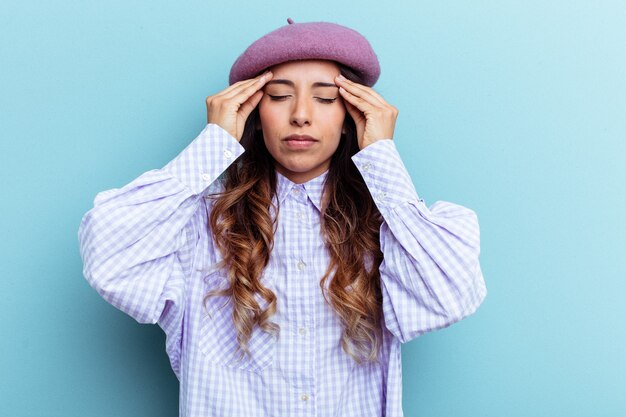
x=206 y=177
x=296 y=191
x=300 y=216
x=228 y=154
x=300 y=265
x=302 y=331
x=367 y=167
x=380 y=196
x=304 y=397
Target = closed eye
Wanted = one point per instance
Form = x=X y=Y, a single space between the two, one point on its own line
x=277 y=98
x=321 y=99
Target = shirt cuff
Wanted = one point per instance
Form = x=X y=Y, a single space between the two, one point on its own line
x=385 y=175
x=205 y=158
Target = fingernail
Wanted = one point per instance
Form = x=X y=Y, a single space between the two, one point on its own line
x=341 y=77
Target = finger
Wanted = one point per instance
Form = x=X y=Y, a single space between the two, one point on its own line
x=237 y=86
x=247 y=89
x=353 y=87
x=354 y=112
x=357 y=102
x=362 y=91
x=247 y=107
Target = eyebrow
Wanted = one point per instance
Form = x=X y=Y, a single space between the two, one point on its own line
x=291 y=84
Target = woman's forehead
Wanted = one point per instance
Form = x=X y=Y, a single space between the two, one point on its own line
x=314 y=73
x=306 y=67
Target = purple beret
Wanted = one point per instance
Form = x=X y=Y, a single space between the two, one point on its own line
x=314 y=40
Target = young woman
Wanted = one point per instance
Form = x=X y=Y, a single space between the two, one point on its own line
x=285 y=251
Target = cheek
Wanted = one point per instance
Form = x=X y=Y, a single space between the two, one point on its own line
x=336 y=118
x=263 y=112
x=270 y=117
x=267 y=118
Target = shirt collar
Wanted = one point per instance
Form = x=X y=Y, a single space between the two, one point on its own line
x=313 y=188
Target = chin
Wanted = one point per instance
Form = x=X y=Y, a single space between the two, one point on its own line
x=296 y=170
x=299 y=169
x=295 y=166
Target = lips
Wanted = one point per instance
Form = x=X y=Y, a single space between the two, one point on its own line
x=300 y=138
x=297 y=142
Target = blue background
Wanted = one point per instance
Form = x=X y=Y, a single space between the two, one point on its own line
x=516 y=109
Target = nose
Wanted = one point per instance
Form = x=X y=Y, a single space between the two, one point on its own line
x=301 y=113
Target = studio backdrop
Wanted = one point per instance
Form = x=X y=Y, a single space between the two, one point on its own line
x=515 y=109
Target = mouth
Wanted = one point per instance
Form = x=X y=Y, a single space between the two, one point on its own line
x=300 y=138
x=300 y=141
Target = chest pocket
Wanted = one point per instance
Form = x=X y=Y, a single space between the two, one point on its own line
x=218 y=338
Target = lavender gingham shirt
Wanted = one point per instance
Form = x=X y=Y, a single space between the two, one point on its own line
x=147 y=250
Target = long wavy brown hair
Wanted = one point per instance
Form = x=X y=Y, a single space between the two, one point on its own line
x=243 y=230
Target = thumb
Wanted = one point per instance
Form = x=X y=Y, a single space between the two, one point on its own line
x=354 y=112
x=246 y=108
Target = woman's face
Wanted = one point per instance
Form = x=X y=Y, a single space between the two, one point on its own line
x=302 y=99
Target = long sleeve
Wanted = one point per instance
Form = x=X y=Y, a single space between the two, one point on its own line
x=430 y=275
x=137 y=242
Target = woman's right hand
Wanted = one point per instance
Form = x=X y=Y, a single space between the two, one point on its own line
x=231 y=107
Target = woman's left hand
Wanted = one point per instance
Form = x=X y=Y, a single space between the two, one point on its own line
x=375 y=119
